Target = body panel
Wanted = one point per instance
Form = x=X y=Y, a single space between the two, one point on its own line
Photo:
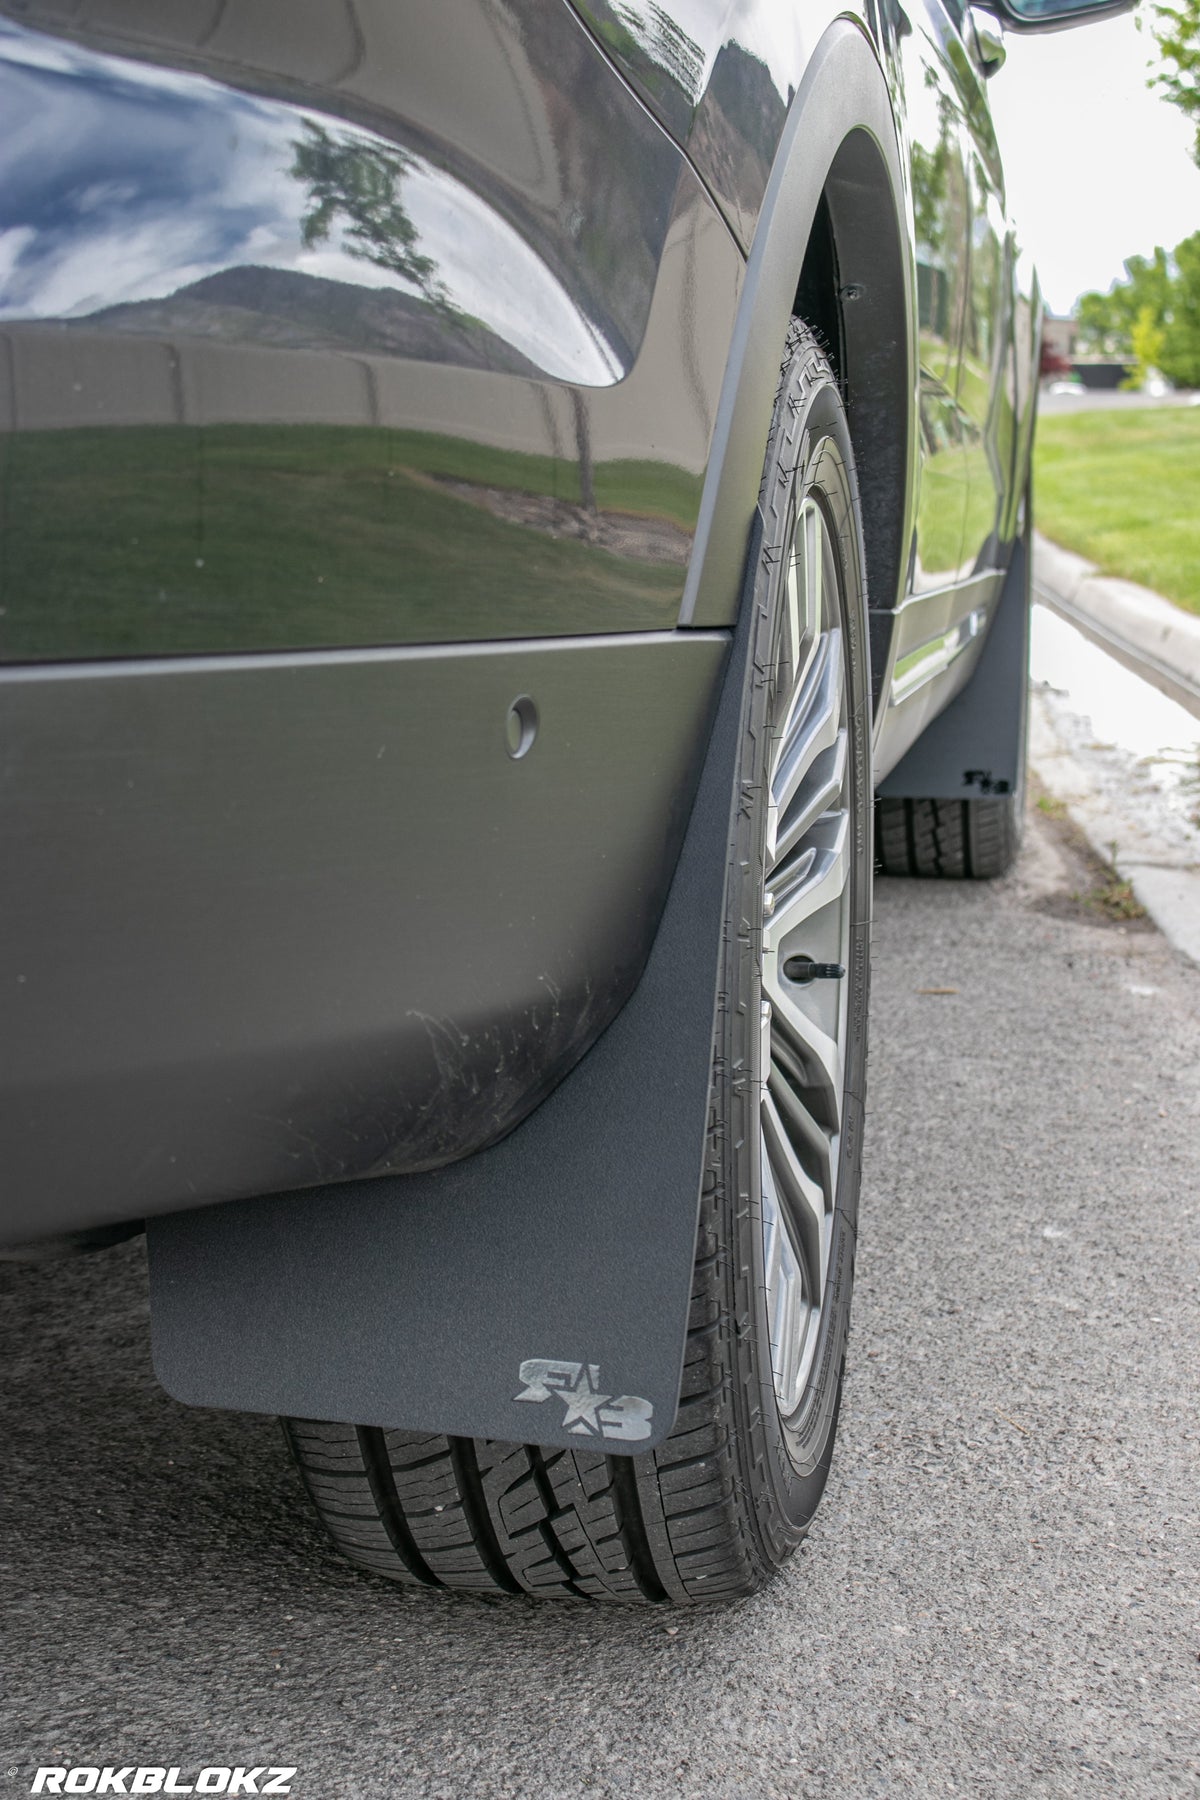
x=307 y=354
x=722 y=78
x=938 y=640
x=983 y=388
x=964 y=732
x=273 y=921
x=933 y=111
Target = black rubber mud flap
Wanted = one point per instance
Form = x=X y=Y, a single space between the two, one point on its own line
x=977 y=746
x=537 y=1292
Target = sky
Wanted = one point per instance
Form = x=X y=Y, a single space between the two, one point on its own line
x=1097 y=165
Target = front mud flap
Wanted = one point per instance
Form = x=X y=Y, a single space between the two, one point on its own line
x=537 y=1292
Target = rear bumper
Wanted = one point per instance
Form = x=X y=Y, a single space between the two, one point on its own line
x=275 y=921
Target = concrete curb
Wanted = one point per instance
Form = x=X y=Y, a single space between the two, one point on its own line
x=1161 y=644
x=1156 y=640
x=1165 y=875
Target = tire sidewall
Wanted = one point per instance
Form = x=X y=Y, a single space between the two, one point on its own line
x=785 y=1467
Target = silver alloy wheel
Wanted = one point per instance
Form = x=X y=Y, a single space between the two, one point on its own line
x=806 y=921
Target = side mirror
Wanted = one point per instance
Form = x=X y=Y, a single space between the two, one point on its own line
x=989 y=40
x=1053 y=15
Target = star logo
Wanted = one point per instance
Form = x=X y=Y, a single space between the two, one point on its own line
x=589 y=1413
x=583 y=1402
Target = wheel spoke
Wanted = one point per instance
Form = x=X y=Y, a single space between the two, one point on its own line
x=800 y=635
x=801 y=1218
x=820 y=790
x=815 y=874
x=812 y=556
x=810 y=1056
x=812 y=1145
x=811 y=727
x=785 y=1284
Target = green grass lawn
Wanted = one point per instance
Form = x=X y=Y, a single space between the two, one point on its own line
x=1123 y=489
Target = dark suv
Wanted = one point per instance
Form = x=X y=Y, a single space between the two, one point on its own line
x=510 y=510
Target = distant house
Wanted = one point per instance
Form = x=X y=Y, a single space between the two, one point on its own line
x=1058 y=339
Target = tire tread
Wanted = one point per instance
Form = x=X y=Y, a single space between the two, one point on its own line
x=497 y=1518
x=948 y=840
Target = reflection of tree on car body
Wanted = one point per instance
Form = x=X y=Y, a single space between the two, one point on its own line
x=357 y=184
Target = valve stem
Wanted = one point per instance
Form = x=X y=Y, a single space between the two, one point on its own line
x=801 y=969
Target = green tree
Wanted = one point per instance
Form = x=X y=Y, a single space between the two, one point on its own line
x=1153 y=316
x=1176 y=31
x=1149 y=342
x=1107 y=321
x=1100 y=324
x=931 y=171
x=1180 y=361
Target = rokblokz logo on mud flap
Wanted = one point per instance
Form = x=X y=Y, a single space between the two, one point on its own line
x=151 y=1779
x=589 y=1413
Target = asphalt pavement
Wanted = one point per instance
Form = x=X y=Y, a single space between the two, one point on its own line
x=1001 y=1595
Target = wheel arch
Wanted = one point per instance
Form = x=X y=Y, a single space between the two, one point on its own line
x=832 y=244
x=855 y=272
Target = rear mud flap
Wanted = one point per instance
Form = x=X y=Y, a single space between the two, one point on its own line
x=537 y=1292
x=976 y=747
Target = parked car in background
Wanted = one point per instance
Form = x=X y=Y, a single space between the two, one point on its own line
x=511 y=508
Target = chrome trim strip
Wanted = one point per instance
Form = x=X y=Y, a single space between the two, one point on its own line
x=932 y=658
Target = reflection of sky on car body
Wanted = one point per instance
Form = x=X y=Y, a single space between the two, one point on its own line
x=760 y=30
x=199 y=179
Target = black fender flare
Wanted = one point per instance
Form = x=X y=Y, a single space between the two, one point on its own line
x=840 y=140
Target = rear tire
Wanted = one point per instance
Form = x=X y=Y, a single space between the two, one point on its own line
x=955 y=840
x=730 y=1494
x=964 y=840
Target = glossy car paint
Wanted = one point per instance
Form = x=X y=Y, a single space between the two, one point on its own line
x=325 y=337
x=247 y=402
x=380 y=324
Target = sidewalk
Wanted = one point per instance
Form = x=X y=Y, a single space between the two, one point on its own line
x=1102 y=787
x=1158 y=641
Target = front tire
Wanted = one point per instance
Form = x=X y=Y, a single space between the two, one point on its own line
x=729 y=1495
